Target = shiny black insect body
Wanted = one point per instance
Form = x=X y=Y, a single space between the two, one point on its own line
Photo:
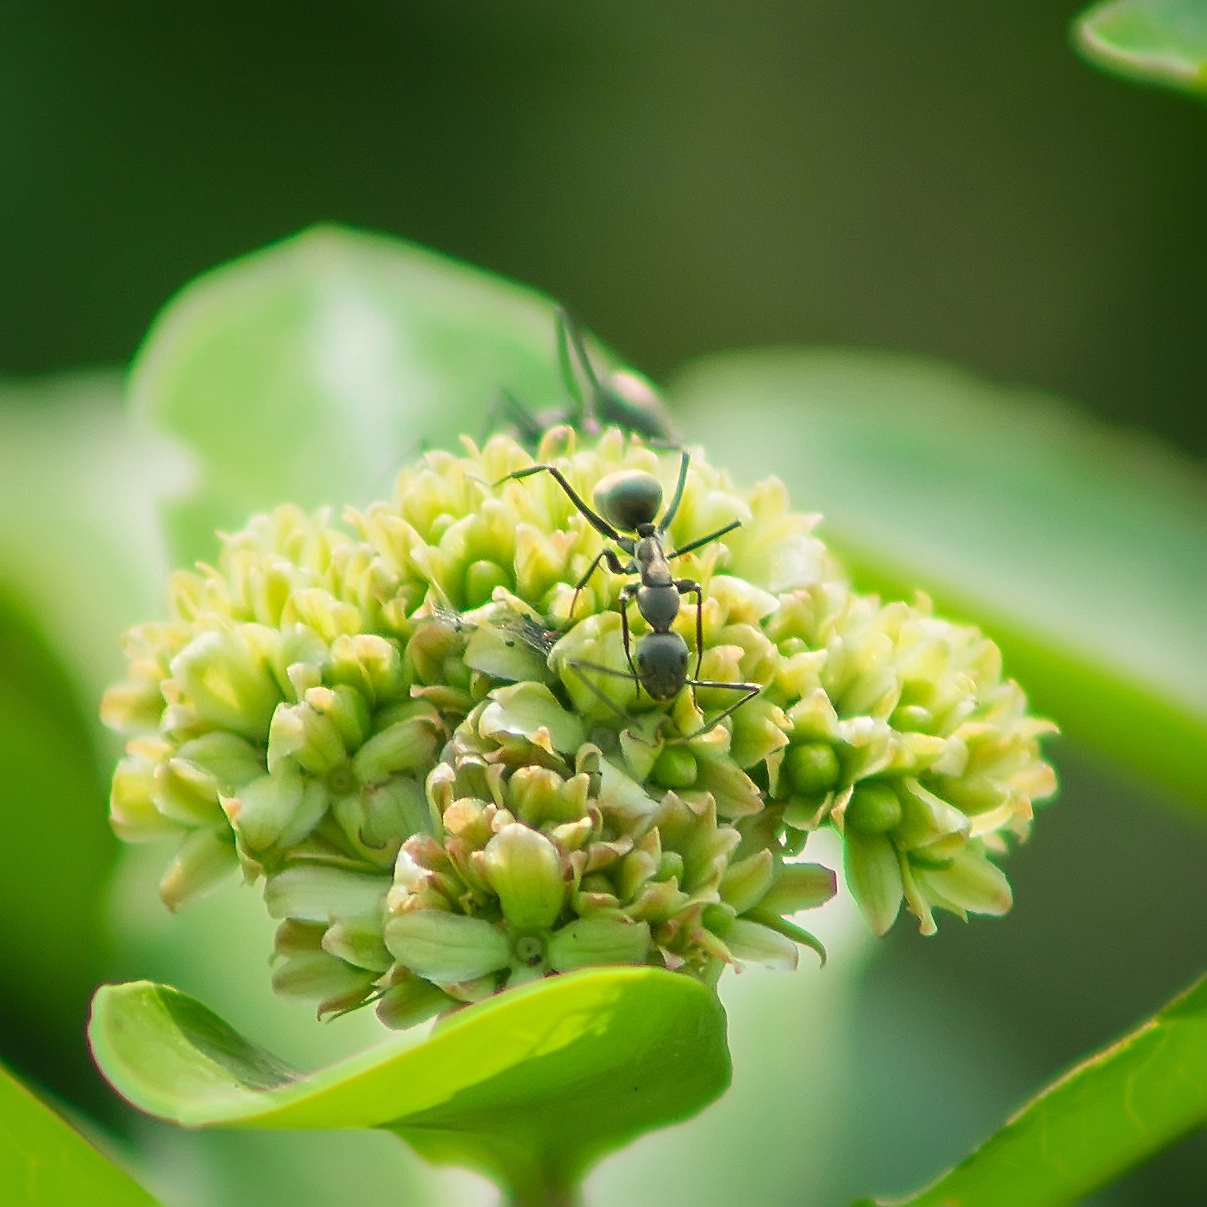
x=630 y=501
x=618 y=399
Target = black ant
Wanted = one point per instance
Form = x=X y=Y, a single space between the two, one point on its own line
x=630 y=500
x=619 y=399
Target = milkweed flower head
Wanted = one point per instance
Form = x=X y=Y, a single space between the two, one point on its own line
x=427 y=744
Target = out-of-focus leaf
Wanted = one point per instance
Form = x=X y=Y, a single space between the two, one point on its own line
x=795 y=1041
x=80 y=546
x=54 y=860
x=1078 y=547
x=309 y=371
x=531 y=1086
x=1158 y=41
x=1114 y=1110
x=46 y=1163
x=79 y=560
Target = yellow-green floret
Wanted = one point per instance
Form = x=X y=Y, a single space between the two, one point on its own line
x=401 y=726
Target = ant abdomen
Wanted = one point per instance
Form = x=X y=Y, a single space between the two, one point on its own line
x=662 y=664
x=629 y=498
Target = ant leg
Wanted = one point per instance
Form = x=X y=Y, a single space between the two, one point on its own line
x=705 y=540
x=629 y=593
x=577 y=667
x=571 y=329
x=596 y=521
x=689 y=586
x=606 y=555
x=579 y=415
x=750 y=689
x=668 y=519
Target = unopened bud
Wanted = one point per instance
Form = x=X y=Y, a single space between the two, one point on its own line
x=524 y=869
x=446 y=948
x=873 y=808
x=874 y=875
x=599 y=940
x=812 y=767
x=204 y=860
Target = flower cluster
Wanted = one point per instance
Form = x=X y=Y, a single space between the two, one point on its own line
x=422 y=732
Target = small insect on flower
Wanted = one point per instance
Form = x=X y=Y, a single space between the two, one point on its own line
x=610 y=399
x=630 y=500
x=504 y=640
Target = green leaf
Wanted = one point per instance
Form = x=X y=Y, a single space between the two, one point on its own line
x=310 y=371
x=1157 y=41
x=79 y=560
x=1114 y=1110
x=1079 y=548
x=217 y=948
x=46 y=1163
x=52 y=809
x=531 y=1086
x=80 y=547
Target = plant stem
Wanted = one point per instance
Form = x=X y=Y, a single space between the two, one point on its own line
x=549 y=1196
x=548 y=1190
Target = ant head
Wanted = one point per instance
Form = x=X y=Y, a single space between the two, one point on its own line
x=629 y=499
x=662 y=664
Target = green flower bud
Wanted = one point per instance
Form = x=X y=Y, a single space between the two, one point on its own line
x=222 y=677
x=410 y=1000
x=530 y=711
x=317 y=975
x=232 y=761
x=799 y=886
x=873 y=808
x=874 y=874
x=446 y=948
x=132 y=706
x=404 y=746
x=812 y=767
x=186 y=793
x=746 y=882
x=481 y=578
x=279 y=809
x=301 y=734
x=358 y=941
x=318 y=894
x=751 y=941
x=132 y=809
x=347 y=710
x=524 y=869
x=600 y=940
x=675 y=767
x=202 y=862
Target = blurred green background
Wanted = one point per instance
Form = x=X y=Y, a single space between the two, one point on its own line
x=914 y=174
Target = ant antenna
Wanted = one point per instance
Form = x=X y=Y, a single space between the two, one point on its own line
x=577 y=667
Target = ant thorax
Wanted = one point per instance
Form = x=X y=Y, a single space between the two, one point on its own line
x=658 y=605
x=652 y=565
